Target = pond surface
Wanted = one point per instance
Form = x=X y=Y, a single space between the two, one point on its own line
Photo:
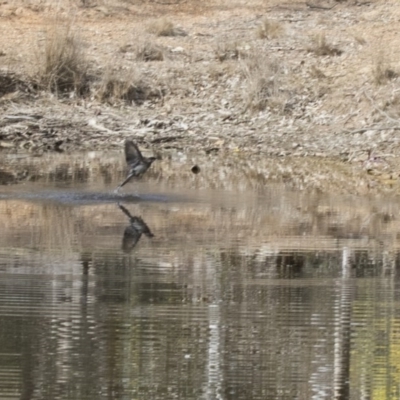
x=169 y=293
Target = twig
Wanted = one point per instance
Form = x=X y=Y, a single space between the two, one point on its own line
x=19 y=118
x=319 y=7
x=166 y=139
x=371 y=128
x=378 y=109
x=168 y=3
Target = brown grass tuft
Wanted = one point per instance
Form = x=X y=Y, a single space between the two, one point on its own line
x=62 y=65
x=162 y=27
x=147 y=51
x=263 y=88
x=360 y=40
x=316 y=73
x=382 y=71
x=392 y=106
x=12 y=83
x=128 y=86
x=221 y=71
x=321 y=47
x=269 y=29
x=232 y=50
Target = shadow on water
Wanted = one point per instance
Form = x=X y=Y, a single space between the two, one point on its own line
x=79 y=198
x=245 y=294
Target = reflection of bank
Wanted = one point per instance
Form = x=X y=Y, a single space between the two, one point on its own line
x=134 y=231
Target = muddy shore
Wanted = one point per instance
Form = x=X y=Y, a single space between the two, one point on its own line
x=292 y=89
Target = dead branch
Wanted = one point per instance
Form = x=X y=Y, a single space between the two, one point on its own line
x=373 y=128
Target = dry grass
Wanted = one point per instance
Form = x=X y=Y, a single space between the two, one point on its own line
x=316 y=73
x=12 y=83
x=321 y=47
x=127 y=85
x=232 y=50
x=162 y=27
x=221 y=71
x=391 y=106
x=269 y=29
x=360 y=39
x=263 y=87
x=148 y=51
x=382 y=72
x=63 y=67
x=118 y=85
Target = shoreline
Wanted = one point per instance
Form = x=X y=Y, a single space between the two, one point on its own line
x=251 y=82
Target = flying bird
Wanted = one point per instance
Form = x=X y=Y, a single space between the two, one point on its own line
x=137 y=164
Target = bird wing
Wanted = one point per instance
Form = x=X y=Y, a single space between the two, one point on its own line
x=132 y=153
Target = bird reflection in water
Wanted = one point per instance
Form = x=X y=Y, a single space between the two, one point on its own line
x=134 y=231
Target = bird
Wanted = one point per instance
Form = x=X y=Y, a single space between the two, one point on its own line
x=138 y=164
x=134 y=231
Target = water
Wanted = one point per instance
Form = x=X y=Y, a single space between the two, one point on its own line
x=246 y=294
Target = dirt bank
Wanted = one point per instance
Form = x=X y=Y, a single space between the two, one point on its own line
x=248 y=80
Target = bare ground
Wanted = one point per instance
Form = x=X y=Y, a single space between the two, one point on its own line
x=306 y=89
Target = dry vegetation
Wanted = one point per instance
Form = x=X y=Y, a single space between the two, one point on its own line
x=263 y=84
x=216 y=77
x=228 y=51
x=62 y=65
x=269 y=29
x=383 y=72
x=162 y=27
x=127 y=84
x=118 y=85
x=321 y=47
x=148 y=51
